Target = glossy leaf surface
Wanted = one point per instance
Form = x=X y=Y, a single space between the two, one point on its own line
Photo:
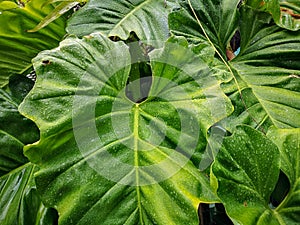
x=126 y=128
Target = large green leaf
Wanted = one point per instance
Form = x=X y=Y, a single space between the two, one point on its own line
x=17 y=46
x=147 y=18
x=105 y=159
x=264 y=84
x=19 y=201
x=247 y=169
x=288 y=142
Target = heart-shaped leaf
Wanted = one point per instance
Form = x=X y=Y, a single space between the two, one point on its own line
x=107 y=159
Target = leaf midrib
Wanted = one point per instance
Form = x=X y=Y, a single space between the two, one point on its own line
x=136 y=158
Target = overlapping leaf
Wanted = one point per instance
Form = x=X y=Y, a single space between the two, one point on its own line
x=248 y=165
x=104 y=158
x=147 y=18
x=290 y=14
x=17 y=46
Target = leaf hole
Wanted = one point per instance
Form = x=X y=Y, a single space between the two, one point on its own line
x=46 y=62
x=138 y=90
x=140 y=77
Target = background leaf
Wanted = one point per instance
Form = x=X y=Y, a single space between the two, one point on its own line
x=290 y=14
x=10 y=119
x=17 y=46
x=19 y=201
x=147 y=18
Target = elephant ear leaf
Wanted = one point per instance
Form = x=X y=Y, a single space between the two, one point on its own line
x=105 y=158
x=17 y=47
x=19 y=202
